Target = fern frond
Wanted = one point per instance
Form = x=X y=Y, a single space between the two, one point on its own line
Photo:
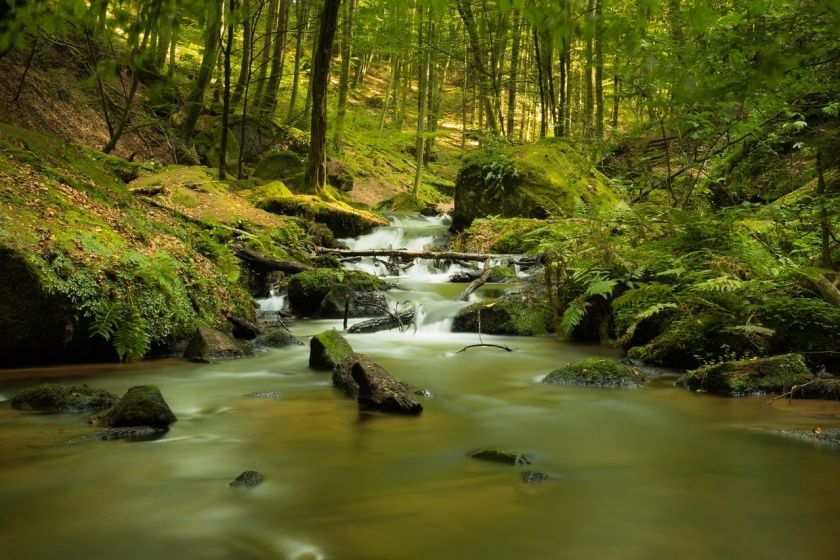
x=641 y=293
x=573 y=315
x=720 y=284
x=132 y=339
x=105 y=324
x=600 y=287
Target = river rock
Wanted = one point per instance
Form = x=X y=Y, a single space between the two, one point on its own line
x=534 y=477
x=495 y=456
x=323 y=291
x=277 y=338
x=327 y=349
x=247 y=479
x=209 y=344
x=597 y=372
x=362 y=378
x=142 y=405
x=50 y=397
x=757 y=376
x=513 y=314
x=131 y=433
x=244 y=329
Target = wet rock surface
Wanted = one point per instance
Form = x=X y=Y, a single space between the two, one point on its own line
x=374 y=388
x=54 y=398
x=496 y=456
x=142 y=405
x=248 y=479
x=131 y=433
x=327 y=349
x=534 y=477
x=209 y=345
x=597 y=372
x=758 y=376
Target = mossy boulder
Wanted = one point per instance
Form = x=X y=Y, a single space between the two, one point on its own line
x=279 y=165
x=807 y=325
x=597 y=372
x=209 y=345
x=142 y=405
x=512 y=314
x=758 y=376
x=208 y=146
x=247 y=479
x=342 y=219
x=327 y=349
x=374 y=388
x=339 y=175
x=322 y=291
x=277 y=337
x=549 y=178
x=50 y=397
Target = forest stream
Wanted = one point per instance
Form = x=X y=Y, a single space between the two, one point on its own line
x=652 y=473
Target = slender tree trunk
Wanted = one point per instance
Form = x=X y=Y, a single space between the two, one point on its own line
x=173 y=47
x=268 y=103
x=599 y=70
x=247 y=53
x=514 y=70
x=302 y=24
x=265 y=48
x=316 y=165
x=422 y=95
x=825 y=222
x=226 y=96
x=481 y=71
x=616 y=99
x=589 y=107
x=195 y=101
x=541 y=84
x=349 y=8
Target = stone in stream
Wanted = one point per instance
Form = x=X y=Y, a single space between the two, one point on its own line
x=597 y=372
x=50 y=397
x=265 y=395
x=131 y=433
x=496 y=456
x=247 y=479
x=276 y=338
x=244 y=329
x=374 y=388
x=142 y=405
x=209 y=344
x=534 y=477
x=758 y=376
x=327 y=349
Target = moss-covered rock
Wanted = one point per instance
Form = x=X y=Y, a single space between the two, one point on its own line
x=209 y=345
x=322 y=291
x=597 y=372
x=247 y=479
x=327 y=349
x=549 y=178
x=374 y=388
x=759 y=376
x=339 y=175
x=276 y=338
x=142 y=405
x=279 y=165
x=207 y=144
x=53 y=398
x=513 y=314
x=342 y=219
x=807 y=325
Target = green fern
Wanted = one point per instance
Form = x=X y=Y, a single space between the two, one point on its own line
x=573 y=315
x=719 y=284
x=131 y=340
x=104 y=324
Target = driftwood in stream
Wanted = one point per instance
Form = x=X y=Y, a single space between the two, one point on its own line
x=385 y=323
x=266 y=263
x=433 y=255
x=477 y=283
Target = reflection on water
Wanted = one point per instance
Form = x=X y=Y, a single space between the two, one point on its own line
x=652 y=473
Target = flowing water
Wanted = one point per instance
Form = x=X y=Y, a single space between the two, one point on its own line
x=654 y=473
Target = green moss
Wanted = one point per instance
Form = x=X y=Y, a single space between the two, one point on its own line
x=327 y=349
x=341 y=218
x=512 y=314
x=597 y=372
x=280 y=164
x=140 y=406
x=49 y=397
x=405 y=201
x=749 y=377
x=308 y=290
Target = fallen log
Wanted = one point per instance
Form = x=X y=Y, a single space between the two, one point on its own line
x=477 y=283
x=432 y=255
x=265 y=262
x=465 y=348
x=385 y=323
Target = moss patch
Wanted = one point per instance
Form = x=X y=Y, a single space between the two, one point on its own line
x=308 y=291
x=327 y=349
x=514 y=314
x=343 y=219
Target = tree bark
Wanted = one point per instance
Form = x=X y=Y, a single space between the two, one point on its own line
x=479 y=65
x=316 y=165
x=195 y=101
x=514 y=70
x=344 y=79
x=422 y=98
x=226 y=95
x=268 y=103
x=302 y=24
x=599 y=70
x=265 y=49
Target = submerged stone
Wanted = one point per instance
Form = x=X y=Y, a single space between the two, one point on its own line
x=50 y=397
x=758 y=376
x=327 y=349
x=142 y=405
x=597 y=372
x=504 y=457
x=265 y=395
x=131 y=433
x=534 y=477
x=247 y=479
x=277 y=338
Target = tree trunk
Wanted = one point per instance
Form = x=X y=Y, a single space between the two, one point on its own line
x=422 y=94
x=589 y=107
x=825 y=222
x=226 y=95
x=302 y=24
x=599 y=70
x=514 y=69
x=195 y=101
x=265 y=49
x=344 y=79
x=247 y=53
x=480 y=67
x=316 y=165
x=268 y=103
